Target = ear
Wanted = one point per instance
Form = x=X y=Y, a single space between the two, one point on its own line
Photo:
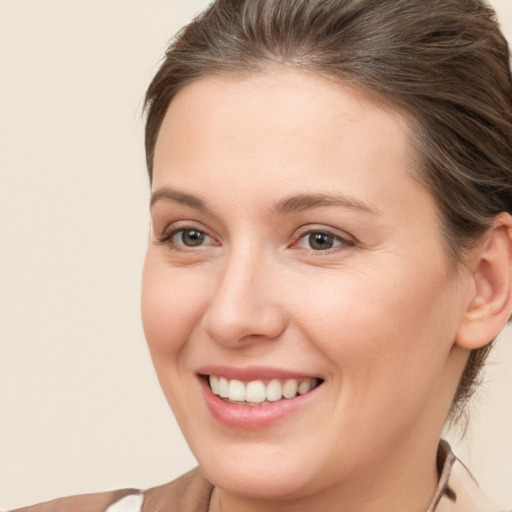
x=489 y=302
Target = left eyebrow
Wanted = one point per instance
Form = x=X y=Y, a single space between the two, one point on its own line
x=306 y=201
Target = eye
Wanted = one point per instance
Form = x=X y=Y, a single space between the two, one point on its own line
x=321 y=241
x=186 y=237
x=190 y=237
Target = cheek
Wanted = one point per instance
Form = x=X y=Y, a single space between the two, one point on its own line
x=171 y=307
x=380 y=331
x=171 y=310
x=388 y=342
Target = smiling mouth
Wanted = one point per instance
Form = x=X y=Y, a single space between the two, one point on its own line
x=260 y=392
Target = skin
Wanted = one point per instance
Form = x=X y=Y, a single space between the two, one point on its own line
x=376 y=316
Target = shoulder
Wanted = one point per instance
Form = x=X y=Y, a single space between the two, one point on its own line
x=97 y=502
x=189 y=493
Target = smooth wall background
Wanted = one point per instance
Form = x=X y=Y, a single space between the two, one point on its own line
x=80 y=407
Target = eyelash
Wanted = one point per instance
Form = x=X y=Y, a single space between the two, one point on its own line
x=341 y=242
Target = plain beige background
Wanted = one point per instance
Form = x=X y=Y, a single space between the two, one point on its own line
x=80 y=408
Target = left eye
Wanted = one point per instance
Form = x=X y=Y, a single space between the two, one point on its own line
x=320 y=241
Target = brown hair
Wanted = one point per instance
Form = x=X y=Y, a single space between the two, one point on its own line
x=445 y=62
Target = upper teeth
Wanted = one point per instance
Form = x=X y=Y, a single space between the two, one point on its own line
x=256 y=391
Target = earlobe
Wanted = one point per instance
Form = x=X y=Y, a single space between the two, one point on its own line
x=490 y=305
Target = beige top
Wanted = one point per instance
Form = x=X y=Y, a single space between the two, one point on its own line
x=457 y=491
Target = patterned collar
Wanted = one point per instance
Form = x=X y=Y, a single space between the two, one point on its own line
x=457 y=490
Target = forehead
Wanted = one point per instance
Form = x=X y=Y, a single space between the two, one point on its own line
x=279 y=108
x=283 y=89
x=291 y=128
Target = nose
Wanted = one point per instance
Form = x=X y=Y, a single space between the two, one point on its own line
x=245 y=306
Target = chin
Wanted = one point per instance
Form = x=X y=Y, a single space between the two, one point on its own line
x=268 y=478
x=258 y=486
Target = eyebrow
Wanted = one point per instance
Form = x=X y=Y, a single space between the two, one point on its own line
x=178 y=197
x=290 y=204
x=306 y=201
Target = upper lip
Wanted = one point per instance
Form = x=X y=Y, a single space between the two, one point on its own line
x=251 y=373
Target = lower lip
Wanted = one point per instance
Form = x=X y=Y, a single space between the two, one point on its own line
x=257 y=416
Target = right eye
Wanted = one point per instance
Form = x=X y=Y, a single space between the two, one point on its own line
x=190 y=237
x=186 y=237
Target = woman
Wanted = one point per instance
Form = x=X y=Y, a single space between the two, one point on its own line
x=330 y=252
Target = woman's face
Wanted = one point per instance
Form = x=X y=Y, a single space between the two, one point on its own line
x=291 y=245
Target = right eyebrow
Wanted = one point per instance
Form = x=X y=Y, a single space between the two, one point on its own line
x=169 y=194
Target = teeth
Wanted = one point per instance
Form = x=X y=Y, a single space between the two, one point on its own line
x=223 y=387
x=214 y=383
x=290 y=388
x=236 y=390
x=256 y=392
x=305 y=386
x=274 y=392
